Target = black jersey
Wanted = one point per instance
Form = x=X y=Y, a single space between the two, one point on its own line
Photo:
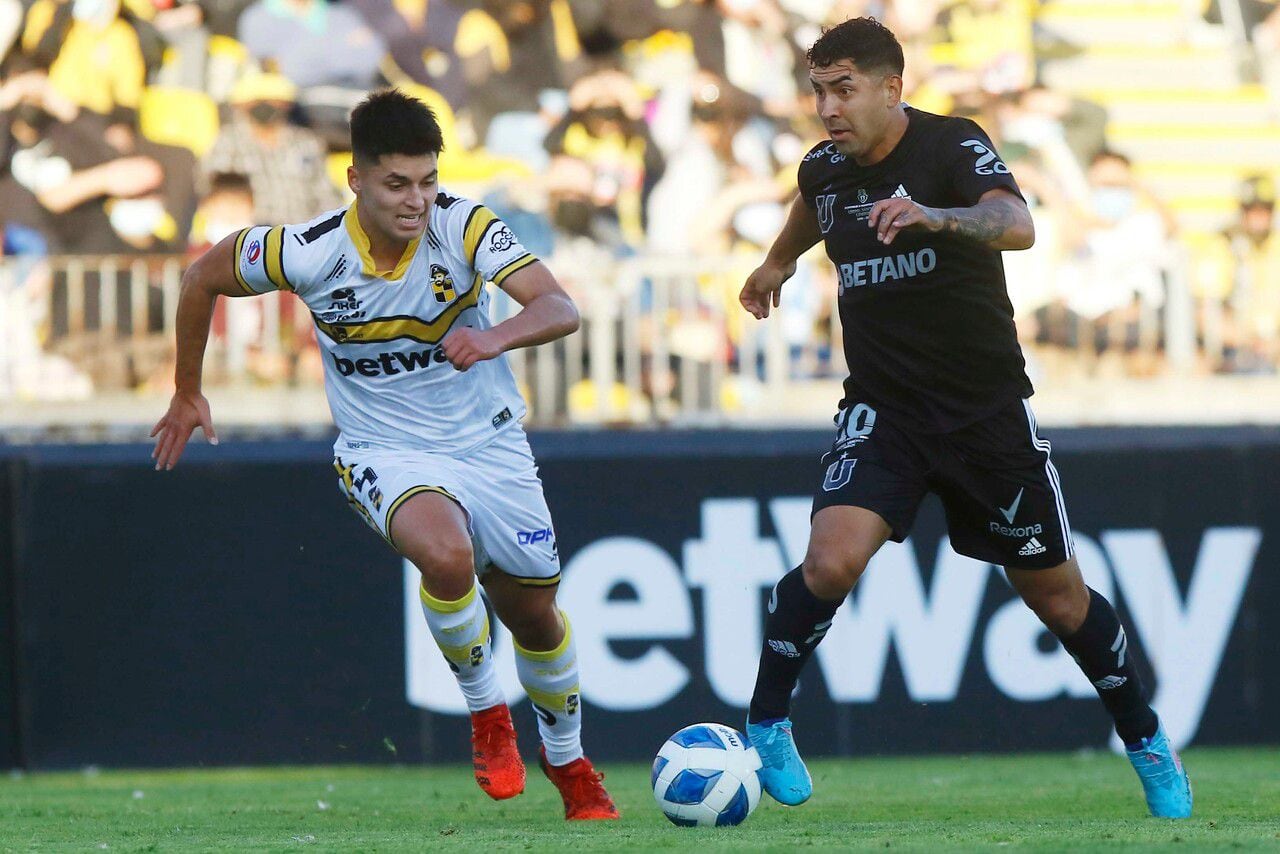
x=928 y=326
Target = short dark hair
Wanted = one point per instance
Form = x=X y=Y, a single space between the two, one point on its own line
x=391 y=122
x=870 y=44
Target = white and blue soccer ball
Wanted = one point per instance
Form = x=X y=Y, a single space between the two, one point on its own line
x=705 y=776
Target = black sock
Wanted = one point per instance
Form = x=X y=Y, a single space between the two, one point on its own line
x=796 y=623
x=1101 y=649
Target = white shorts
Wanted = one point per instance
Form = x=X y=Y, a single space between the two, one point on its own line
x=497 y=487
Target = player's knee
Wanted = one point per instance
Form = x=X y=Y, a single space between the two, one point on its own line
x=831 y=573
x=536 y=624
x=446 y=567
x=1061 y=611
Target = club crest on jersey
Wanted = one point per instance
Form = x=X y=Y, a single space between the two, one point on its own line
x=826 y=211
x=442 y=284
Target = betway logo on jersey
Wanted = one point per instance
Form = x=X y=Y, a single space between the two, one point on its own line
x=389 y=364
x=930 y=619
x=877 y=271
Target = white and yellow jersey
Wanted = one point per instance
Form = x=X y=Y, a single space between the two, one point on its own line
x=388 y=383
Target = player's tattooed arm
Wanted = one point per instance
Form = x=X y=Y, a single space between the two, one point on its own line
x=999 y=220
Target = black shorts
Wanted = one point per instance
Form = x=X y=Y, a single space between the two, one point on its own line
x=1000 y=491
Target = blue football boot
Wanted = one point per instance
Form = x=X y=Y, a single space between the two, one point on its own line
x=1164 y=780
x=782 y=771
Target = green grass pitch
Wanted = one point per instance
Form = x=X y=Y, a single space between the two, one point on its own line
x=1047 y=801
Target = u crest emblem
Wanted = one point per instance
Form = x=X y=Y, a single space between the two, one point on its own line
x=826 y=212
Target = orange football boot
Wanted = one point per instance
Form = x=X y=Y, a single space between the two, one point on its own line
x=581 y=788
x=494 y=755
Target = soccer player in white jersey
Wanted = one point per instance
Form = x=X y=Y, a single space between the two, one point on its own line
x=431 y=452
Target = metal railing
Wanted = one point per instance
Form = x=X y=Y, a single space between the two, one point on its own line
x=663 y=339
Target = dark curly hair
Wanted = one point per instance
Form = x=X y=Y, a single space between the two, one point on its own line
x=866 y=41
x=391 y=122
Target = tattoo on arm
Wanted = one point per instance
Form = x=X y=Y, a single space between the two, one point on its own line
x=983 y=223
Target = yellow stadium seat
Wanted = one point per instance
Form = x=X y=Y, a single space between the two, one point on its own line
x=183 y=117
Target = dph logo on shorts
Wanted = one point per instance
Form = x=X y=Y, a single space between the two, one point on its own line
x=529 y=538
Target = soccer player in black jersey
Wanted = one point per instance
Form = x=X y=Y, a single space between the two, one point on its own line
x=914 y=210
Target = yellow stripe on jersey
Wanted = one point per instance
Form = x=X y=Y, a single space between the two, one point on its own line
x=273 y=258
x=518 y=264
x=477 y=224
x=382 y=329
x=239 y=275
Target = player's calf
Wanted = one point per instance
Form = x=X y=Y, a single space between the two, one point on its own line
x=796 y=623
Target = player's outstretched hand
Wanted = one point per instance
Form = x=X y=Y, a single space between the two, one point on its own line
x=186 y=413
x=763 y=289
x=889 y=216
x=466 y=346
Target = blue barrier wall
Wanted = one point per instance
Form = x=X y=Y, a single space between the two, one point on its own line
x=235 y=611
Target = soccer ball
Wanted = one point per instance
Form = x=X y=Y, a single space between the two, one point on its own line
x=705 y=776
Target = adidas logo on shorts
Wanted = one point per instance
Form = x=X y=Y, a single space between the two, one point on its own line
x=1032 y=547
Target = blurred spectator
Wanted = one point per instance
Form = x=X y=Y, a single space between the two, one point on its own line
x=94 y=57
x=135 y=220
x=705 y=187
x=11 y=13
x=992 y=38
x=237 y=328
x=225 y=209
x=511 y=53
x=573 y=209
x=1065 y=132
x=605 y=130
x=65 y=181
x=420 y=37
x=761 y=57
x=313 y=43
x=701 y=20
x=284 y=163
x=1237 y=283
x=27 y=372
x=1261 y=19
x=1117 y=263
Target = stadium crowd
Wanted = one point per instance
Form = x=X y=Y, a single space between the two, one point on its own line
x=603 y=132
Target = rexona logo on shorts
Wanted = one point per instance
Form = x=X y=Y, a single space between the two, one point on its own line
x=389 y=364
x=1019 y=532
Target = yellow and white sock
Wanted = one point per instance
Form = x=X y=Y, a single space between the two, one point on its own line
x=551 y=680
x=461 y=630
